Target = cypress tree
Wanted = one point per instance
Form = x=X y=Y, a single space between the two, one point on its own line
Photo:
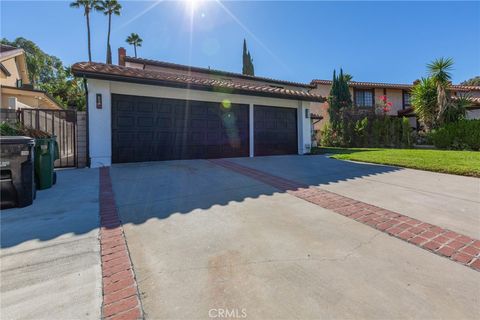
x=333 y=108
x=339 y=100
x=247 y=67
x=344 y=96
x=245 y=58
x=251 y=69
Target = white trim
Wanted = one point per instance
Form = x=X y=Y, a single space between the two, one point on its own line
x=188 y=94
x=252 y=132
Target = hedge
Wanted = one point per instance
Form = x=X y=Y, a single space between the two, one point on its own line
x=461 y=135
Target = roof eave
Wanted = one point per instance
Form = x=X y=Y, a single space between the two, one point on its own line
x=173 y=84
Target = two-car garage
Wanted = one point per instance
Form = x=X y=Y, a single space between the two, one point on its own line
x=150 y=129
x=135 y=115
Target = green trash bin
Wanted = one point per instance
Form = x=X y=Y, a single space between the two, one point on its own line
x=46 y=152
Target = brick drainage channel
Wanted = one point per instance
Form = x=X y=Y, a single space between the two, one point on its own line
x=121 y=300
x=443 y=242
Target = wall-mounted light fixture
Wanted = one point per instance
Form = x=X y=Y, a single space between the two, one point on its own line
x=99 y=101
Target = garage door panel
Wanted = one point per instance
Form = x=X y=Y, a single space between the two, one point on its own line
x=145 y=107
x=126 y=121
x=197 y=124
x=145 y=136
x=148 y=129
x=125 y=106
x=275 y=130
x=144 y=121
x=164 y=123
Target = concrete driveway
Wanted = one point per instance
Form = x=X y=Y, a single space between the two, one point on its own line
x=50 y=255
x=205 y=240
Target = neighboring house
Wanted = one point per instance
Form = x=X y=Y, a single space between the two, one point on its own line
x=147 y=110
x=367 y=94
x=16 y=92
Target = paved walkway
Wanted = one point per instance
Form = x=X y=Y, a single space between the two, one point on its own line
x=50 y=259
x=204 y=238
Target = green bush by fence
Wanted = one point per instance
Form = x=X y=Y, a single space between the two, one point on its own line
x=461 y=135
x=369 y=131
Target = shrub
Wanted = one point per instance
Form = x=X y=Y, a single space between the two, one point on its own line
x=368 y=131
x=463 y=134
x=406 y=140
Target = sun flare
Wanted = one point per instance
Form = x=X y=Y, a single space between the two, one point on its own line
x=192 y=4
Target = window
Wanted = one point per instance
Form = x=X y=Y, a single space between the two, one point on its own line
x=19 y=83
x=364 y=98
x=406 y=99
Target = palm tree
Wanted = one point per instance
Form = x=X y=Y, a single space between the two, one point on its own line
x=87 y=5
x=135 y=40
x=109 y=7
x=439 y=71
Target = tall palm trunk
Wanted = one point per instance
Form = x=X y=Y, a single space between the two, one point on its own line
x=88 y=36
x=441 y=100
x=109 y=51
x=135 y=49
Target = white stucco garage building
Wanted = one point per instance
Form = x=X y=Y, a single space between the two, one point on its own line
x=144 y=110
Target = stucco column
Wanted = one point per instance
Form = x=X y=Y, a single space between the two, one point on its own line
x=304 y=127
x=250 y=128
x=100 y=130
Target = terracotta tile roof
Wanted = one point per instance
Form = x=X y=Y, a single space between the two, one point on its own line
x=214 y=71
x=168 y=79
x=475 y=101
x=6 y=47
x=358 y=84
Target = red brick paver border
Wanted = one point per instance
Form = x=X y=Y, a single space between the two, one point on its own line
x=443 y=242
x=121 y=300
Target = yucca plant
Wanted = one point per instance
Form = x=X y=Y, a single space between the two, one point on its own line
x=424 y=101
x=457 y=109
x=439 y=71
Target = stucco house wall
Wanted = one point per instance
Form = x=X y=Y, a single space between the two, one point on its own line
x=473 y=114
x=11 y=66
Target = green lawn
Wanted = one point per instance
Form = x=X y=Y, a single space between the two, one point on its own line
x=465 y=163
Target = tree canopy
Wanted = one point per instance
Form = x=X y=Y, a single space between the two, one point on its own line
x=475 y=81
x=135 y=40
x=47 y=72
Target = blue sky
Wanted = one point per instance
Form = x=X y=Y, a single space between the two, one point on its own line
x=298 y=41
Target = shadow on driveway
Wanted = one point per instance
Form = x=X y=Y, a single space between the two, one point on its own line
x=68 y=208
x=158 y=189
x=155 y=190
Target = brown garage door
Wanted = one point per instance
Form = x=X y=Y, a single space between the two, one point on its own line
x=151 y=129
x=275 y=130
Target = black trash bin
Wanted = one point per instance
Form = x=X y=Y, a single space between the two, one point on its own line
x=16 y=166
